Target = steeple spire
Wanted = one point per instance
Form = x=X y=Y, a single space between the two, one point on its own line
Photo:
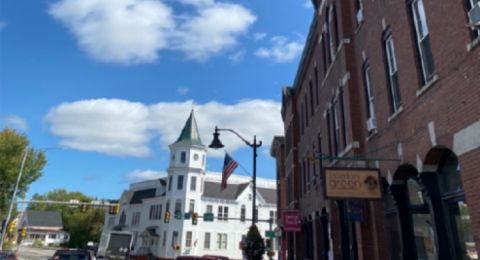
x=189 y=135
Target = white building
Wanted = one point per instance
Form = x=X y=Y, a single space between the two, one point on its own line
x=189 y=188
x=46 y=226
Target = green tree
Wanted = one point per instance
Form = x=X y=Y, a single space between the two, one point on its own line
x=12 y=148
x=82 y=227
x=254 y=245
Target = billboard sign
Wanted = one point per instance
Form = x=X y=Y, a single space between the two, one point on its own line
x=291 y=221
x=351 y=183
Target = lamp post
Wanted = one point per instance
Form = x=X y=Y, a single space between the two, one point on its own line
x=216 y=144
x=16 y=188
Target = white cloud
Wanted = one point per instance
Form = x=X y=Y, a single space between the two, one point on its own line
x=281 y=50
x=145 y=175
x=13 y=121
x=134 y=31
x=259 y=36
x=213 y=30
x=237 y=56
x=2 y=25
x=307 y=4
x=123 y=128
x=182 y=91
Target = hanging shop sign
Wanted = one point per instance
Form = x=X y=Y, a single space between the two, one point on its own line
x=351 y=183
x=291 y=221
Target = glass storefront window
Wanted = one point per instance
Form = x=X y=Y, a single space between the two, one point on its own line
x=414 y=192
x=424 y=237
x=466 y=244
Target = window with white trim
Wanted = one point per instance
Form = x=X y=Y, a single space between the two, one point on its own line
x=135 y=218
x=209 y=209
x=178 y=206
x=424 y=48
x=193 y=183
x=369 y=92
x=164 y=243
x=183 y=157
x=155 y=212
x=222 y=213
x=192 y=206
x=180 y=182
x=243 y=213
x=221 y=241
x=188 y=239
x=206 y=241
x=395 y=98
x=174 y=238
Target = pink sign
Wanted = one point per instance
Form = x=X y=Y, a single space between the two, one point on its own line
x=291 y=221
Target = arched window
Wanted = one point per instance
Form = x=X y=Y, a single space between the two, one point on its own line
x=455 y=207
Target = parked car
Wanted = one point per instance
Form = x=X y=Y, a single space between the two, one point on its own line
x=188 y=257
x=10 y=255
x=215 y=257
x=73 y=254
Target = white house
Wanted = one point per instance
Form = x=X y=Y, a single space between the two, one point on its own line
x=46 y=226
x=189 y=188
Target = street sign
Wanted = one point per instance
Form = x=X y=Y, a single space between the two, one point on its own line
x=178 y=215
x=186 y=216
x=270 y=234
x=208 y=217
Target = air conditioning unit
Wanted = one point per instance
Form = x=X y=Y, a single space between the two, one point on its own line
x=474 y=16
x=359 y=16
x=371 y=124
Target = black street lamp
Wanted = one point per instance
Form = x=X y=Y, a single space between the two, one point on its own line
x=216 y=143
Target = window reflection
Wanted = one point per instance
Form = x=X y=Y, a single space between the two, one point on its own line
x=424 y=237
x=459 y=214
x=414 y=192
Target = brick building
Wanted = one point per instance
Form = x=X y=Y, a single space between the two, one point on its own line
x=392 y=80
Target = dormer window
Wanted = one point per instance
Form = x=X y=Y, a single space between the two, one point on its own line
x=183 y=158
x=249 y=196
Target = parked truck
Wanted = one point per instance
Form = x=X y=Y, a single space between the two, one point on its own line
x=115 y=245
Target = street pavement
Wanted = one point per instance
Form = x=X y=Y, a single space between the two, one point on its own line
x=33 y=253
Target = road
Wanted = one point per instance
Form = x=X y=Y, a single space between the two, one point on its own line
x=32 y=253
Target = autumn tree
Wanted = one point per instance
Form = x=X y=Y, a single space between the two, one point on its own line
x=82 y=227
x=12 y=148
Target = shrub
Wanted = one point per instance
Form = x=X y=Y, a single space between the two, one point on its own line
x=37 y=243
x=254 y=246
x=51 y=245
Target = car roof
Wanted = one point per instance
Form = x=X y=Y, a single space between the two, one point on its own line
x=188 y=257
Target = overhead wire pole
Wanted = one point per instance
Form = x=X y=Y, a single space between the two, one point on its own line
x=13 y=198
x=25 y=153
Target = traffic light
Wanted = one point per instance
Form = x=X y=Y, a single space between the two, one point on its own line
x=166 y=219
x=24 y=231
x=11 y=228
x=83 y=207
x=111 y=208
x=195 y=218
x=117 y=208
x=269 y=245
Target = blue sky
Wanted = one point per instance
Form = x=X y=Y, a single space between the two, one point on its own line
x=113 y=81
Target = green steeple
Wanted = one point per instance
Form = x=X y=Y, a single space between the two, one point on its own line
x=189 y=135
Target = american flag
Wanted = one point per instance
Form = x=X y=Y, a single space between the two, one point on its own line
x=229 y=166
